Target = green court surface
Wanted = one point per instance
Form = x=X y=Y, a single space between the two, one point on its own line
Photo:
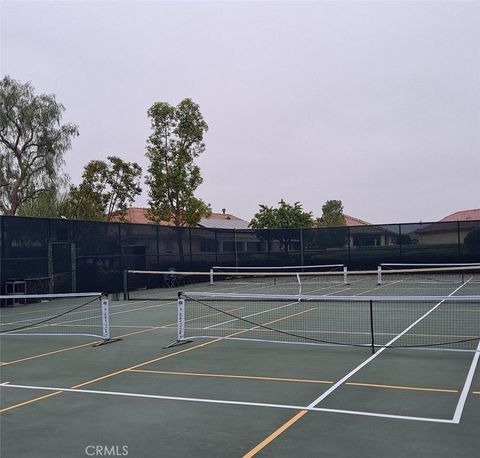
x=61 y=397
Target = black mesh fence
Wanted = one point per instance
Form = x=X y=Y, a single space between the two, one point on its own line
x=54 y=255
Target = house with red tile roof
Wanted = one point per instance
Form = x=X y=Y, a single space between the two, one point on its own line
x=351 y=221
x=138 y=215
x=449 y=230
x=464 y=215
x=223 y=220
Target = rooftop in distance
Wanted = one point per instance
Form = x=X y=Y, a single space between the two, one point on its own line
x=226 y=220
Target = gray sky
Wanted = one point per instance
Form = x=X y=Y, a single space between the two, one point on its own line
x=373 y=103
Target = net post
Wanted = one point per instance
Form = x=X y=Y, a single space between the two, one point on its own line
x=105 y=304
x=345 y=275
x=181 y=318
x=105 y=318
x=372 y=333
x=211 y=276
x=180 y=323
x=379 y=275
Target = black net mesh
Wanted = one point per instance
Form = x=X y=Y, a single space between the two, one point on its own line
x=55 y=255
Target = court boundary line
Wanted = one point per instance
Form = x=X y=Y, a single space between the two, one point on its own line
x=75 y=347
x=466 y=387
x=269 y=439
x=135 y=366
x=295 y=380
x=60 y=350
x=57 y=390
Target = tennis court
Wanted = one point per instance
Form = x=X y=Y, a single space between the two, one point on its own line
x=237 y=388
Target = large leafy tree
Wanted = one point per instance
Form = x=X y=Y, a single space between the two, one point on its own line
x=106 y=190
x=332 y=214
x=332 y=235
x=173 y=177
x=284 y=219
x=52 y=203
x=32 y=144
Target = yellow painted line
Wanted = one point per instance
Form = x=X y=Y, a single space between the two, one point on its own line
x=148 y=362
x=75 y=347
x=297 y=380
x=206 y=316
x=397 y=387
x=20 y=404
x=275 y=434
x=180 y=352
x=152 y=328
x=476 y=392
x=243 y=377
x=145 y=363
x=48 y=353
x=104 y=377
x=28 y=358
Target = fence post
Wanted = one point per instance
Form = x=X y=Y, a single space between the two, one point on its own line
x=157 y=236
x=400 y=242
x=235 y=245
x=349 y=248
x=459 y=251
x=302 y=262
x=2 y=254
x=190 y=247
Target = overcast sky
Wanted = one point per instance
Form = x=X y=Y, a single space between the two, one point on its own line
x=373 y=103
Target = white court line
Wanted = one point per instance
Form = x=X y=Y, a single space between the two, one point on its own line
x=266 y=311
x=221 y=401
x=249 y=316
x=375 y=355
x=69 y=322
x=80 y=311
x=468 y=382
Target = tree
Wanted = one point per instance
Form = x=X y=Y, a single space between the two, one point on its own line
x=32 y=144
x=332 y=214
x=330 y=233
x=176 y=140
x=106 y=189
x=52 y=203
x=284 y=218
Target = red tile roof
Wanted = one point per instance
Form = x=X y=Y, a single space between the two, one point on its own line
x=138 y=216
x=463 y=215
x=351 y=221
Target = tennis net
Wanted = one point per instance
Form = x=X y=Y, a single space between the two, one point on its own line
x=292 y=269
x=440 y=280
x=406 y=265
x=144 y=285
x=73 y=314
x=436 y=281
x=447 y=323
